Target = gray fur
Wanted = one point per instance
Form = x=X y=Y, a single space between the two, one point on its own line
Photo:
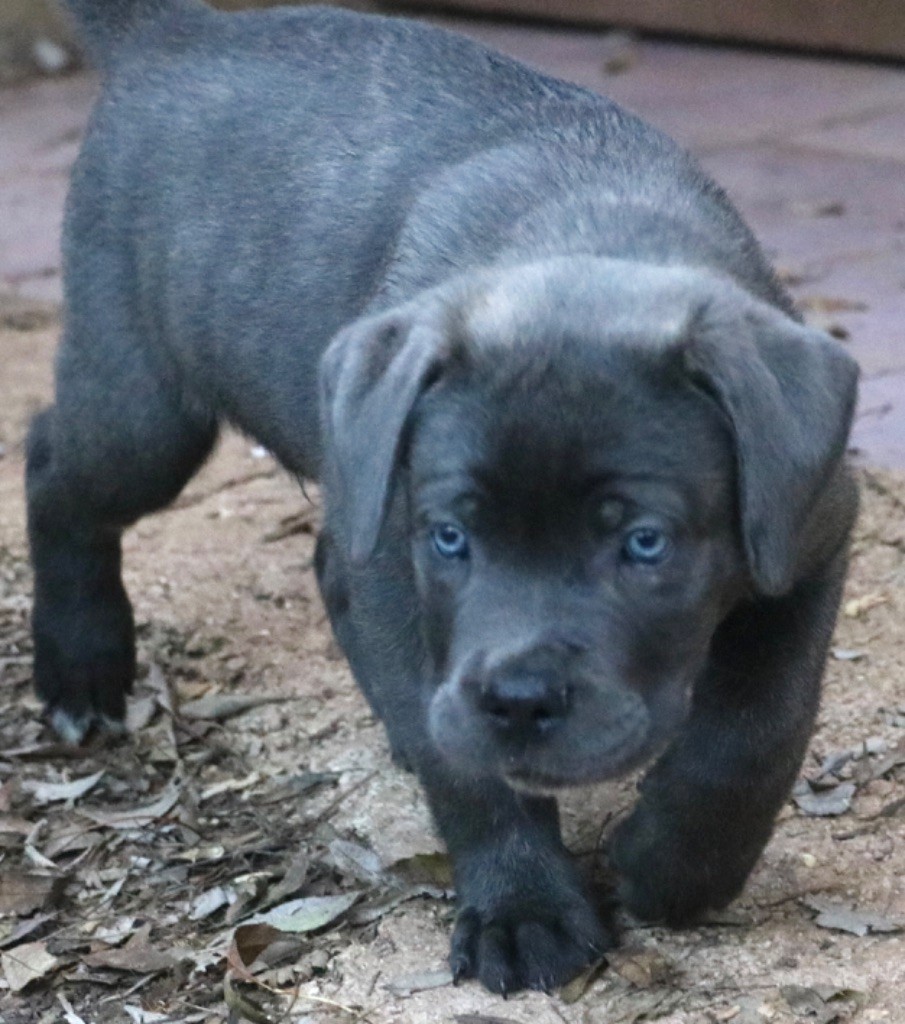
x=522 y=340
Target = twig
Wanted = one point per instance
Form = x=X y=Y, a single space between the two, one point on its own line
x=877 y=485
x=340 y=798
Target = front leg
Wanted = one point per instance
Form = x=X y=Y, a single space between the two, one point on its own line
x=525 y=917
x=708 y=807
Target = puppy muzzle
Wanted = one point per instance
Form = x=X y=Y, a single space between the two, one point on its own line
x=544 y=722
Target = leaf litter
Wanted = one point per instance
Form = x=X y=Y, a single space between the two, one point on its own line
x=838 y=917
x=26 y=964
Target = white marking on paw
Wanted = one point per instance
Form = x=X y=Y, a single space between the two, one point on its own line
x=69 y=728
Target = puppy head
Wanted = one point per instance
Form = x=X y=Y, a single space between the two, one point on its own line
x=602 y=457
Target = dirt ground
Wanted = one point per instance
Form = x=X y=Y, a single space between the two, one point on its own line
x=254 y=809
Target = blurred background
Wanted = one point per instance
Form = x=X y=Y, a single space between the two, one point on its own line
x=797 y=107
x=34 y=36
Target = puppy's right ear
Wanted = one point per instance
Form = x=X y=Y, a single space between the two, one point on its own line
x=370 y=378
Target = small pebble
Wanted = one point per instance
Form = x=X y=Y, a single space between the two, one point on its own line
x=50 y=57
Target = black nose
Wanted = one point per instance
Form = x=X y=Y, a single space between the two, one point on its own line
x=523 y=706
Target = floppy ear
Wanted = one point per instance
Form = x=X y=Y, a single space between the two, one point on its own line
x=789 y=394
x=371 y=376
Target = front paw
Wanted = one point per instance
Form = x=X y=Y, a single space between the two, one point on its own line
x=673 y=870
x=526 y=925
x=84 y=664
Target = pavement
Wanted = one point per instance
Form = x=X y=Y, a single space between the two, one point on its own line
x=812 y=151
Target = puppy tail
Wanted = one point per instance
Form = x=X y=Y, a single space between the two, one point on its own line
x=105 y=25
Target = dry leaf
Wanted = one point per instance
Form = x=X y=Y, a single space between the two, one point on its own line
x=138 y=816
x=831 y=304
x=576 y=988
x=139 y=713
x=643 y=968
x=836 y=917
x=190 y=689
x=142 y=1016
x=859 y=606
x=876 y=770
x=828 y=802
x=69 y=1015
x=356 y=860
x=241 y=1007
x=158 y=683
x=115 y=933
x=620 y=52
x=829 y=324
x=52 y=792
x=22 y=894
x=249 y=890
x=819 y=1004
x=137 y=955
x=374 y=910
x=294 y=877
x=308 y=914
x=432 y=869
x=290 y=526
x=728 y=917
x=818 y=208
x=7 y=792
x=217 y=707
x=892 y=809
x=15 y=826
x=844 y=654
x=229 y=786
x=37 y=858
x=830 y=765
x=208 y=852
x=802 y=999
x=24 y=929
x=248 y=943
x=27 y=963
x=208 y=903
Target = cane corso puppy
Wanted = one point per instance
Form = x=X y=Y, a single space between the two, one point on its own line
x=583 y=465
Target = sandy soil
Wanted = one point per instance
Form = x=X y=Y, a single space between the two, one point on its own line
x=121 y=892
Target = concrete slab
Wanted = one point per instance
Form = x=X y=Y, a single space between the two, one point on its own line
x=877 y=133
x=705 y=95
x=878 y=437
x=41 y=124
x=835 y=226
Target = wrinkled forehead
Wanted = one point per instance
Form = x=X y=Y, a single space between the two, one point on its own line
x=648 y=306
x=558 y=416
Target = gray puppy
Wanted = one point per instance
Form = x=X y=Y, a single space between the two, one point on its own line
x=586 y=500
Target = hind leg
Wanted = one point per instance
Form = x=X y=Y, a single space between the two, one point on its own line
x=121 y=441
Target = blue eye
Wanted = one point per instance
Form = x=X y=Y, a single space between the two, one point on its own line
x=646 y=546
x=449 y=540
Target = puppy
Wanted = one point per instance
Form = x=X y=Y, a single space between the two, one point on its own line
x=586 y=500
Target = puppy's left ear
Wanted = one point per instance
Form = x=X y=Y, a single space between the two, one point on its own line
x=370 y=378
x=789 y=394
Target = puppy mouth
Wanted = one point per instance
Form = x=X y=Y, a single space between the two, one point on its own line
x=537 y=772
x=602 y=740
x=535 y=784
x=629 y=754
